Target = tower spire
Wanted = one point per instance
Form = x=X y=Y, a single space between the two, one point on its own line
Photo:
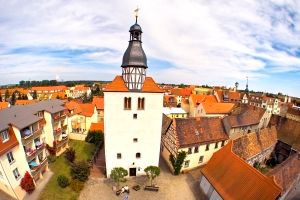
x=247 y=89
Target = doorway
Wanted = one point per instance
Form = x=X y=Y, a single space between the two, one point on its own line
x=132 y=171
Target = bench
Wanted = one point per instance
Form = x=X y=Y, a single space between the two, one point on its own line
x=151 y=188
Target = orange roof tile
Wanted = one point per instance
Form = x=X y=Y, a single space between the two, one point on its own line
x=118 y=85
x=253 y=143
x=4 y=105
x=199 y=130
x=151 y=86
x=234 y=179
x=11 y=143
x=60 y=95
x=217 y=108
x=24 y=102
x=50 y=88
x=97 y=127
x=85 y=109
x=234 y=96
x=98 y=102
x=199 y=98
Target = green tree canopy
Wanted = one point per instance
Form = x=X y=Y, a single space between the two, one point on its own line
x=152 y=172
x=118 y=174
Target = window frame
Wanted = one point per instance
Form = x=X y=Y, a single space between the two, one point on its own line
x=127 y=103
x=17 y=175
x=216 y=145
x=196 y=149
x=4 y=136
x=10 y=157
x=186 y=163
x=201 y=158
x=138 y=155
x=207 y=147
x=119 y=155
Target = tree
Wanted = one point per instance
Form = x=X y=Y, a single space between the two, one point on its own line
x=13 y=99
x=152 y=172
x=34 y=95
x=96 y=137
x=27 y=183
x=6 y=95
x=70 y=154
x=80 y=170
x=177 y=161
x=118 y=174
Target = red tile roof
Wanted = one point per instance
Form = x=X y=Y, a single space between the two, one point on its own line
x=184 y=92
x=98 y=102
x=199 y=98
x=85 y=109
x=217 y=108
x=234 y=179
x=199 y=130
x=24 y=102
x=118 y=85
x=250 y=116
x=8 y=145
x=50 y=88
x=97 y=127
x=254 y=143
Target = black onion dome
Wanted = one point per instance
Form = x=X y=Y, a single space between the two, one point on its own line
x=135 y=27
x=134 y=55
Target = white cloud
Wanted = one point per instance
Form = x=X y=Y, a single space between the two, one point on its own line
x=207 y=41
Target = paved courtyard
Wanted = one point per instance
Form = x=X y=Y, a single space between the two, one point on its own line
x=184 y=186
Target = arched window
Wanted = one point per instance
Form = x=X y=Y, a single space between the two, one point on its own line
x=141 y=103
x=127 y=103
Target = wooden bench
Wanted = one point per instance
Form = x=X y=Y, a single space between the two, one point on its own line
x=151 y=188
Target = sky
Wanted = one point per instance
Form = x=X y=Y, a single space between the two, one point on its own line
x=197 y=42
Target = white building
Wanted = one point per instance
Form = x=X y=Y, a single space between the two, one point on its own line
x=133 y=113
x=175 y=112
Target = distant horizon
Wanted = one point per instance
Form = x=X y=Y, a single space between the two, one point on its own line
x=195 y=43
x=239 y=89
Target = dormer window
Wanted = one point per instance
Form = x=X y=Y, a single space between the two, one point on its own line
x=5 y=136
x=127 y=103
x=141 y=103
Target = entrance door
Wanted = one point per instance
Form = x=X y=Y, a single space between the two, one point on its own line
x=132 y=171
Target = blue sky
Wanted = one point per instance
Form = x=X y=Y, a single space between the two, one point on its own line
x=194 y=42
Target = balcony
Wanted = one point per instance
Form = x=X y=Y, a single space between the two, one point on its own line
x=35 y=169
x=63 y=141
x=32 y=153
x=26 y=135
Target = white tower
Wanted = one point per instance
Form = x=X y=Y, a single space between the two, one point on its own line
x=133 y=113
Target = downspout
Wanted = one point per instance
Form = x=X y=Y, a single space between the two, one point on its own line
x=9 y=181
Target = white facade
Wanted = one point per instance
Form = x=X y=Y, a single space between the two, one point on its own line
x=132 y=131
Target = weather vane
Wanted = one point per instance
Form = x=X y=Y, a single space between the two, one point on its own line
x=136 y=13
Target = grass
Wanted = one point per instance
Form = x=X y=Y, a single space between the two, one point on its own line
x=84 y=151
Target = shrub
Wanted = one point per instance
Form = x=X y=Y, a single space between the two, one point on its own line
x=177 y=161
x=95 y=137
x=70 y=154
x=76 y=185
x=80 y=170
x=63 y=181
x=27 y=183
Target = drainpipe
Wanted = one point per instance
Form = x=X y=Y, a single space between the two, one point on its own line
x=9 y=181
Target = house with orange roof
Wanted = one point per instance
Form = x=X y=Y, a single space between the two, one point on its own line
x=78 y=91
x=45 y=92
x=196 y=99
x=198 y=137
x=227 y=176
x=256 y=146
x=228 y=96
x=171 y=100
x=249 y=119
x=81 y=116
x=4 y=105
x=99 y=103
x=293 y=113
x=211 y=109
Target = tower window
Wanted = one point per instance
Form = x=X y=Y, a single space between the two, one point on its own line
x=138 y=155
x=119 y=155
x=127 y=103
x=135 y=116
x=135 y=140
x=141 y=103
